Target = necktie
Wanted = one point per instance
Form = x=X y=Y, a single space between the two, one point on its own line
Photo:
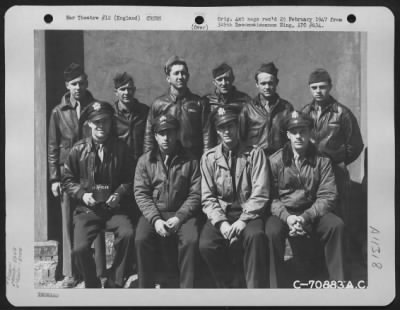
x=78 y=109
x=319 y=112
x=166 y=160
x=100 y=152
x=230 y=159
x=297 y=161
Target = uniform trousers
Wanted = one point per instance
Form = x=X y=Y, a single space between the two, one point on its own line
x=328 y=229
x=179 y=253
x=218 y=254
x=69 y=269
x=87 y=226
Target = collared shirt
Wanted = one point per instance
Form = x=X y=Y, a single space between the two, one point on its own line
x=101 y=164
x=126 y=110
x=269 y=105
x=231 y=158
x=76 y=105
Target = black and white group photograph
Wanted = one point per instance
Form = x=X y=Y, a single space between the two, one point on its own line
x=179 y=159
x=199 y=156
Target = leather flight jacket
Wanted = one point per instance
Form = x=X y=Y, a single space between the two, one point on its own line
x=63 y=133
x=263 y=129
x=191 y=112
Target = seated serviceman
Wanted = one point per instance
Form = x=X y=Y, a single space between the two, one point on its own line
x=303 y=197
x=234 y=193
x=262 y=119
x=225 y=93
x=167 y=191
x=189 y=109
x=98 y=176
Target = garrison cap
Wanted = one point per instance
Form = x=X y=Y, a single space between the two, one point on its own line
x=122 y=79
x=298 y=119
x=165 y=121
x=73 y=71
x=267 y=68
x=221 y=69
x=97 y=110
x=173 y=61
x=319 y=75
x=225 y=114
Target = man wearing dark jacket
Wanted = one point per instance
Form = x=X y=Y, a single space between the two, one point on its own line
x=303 y=198
x=335 y=133
x=167 y=191
x=261 y=120
x=98 y=177
x=130 y=114
x=63 y=133
x=188 y=108
x=225 y=94
x=234 y=194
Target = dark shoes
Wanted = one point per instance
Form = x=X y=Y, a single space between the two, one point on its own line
x=111 y=284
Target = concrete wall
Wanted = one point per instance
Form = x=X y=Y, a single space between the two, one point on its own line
x=143 y=54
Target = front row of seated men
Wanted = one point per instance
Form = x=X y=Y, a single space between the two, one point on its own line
x=250 y=204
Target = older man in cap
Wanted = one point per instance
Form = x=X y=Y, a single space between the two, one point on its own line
x=335 y=133
x=234 y=193
x=225 y=94
x=303 y=200
x=262 y=119
x=130 y=114
x=63 y=133
x=188 y=108
x=98 y=177
x=167 y=190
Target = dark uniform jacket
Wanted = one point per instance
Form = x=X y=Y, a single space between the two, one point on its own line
x=130 y=126
x=251 y=184
x=336 y=132
x=63 y=133
x=263 y=129
x=310 y=192
x=214 y=101
x=163 y=192
x=79 y=171
x=191 y=112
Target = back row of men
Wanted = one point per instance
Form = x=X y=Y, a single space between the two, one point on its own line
x=248 y=200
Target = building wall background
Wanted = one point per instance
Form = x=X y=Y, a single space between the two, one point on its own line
x=296 y=54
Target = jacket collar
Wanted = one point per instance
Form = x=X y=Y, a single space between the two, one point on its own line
x=331 y=104
x=174 y=96
x=66 y=100
x=228 y=96
x=310 y=156
x=156 y=156
x=258 y=101
x=241 y=156
x=107 y=144
x=132 y=106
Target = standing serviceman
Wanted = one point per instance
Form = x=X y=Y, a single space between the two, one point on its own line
x=262 y=119
x=130 y=114
x=336 y=134
x=189 y=109
x=63 y=133
x=225 y=93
